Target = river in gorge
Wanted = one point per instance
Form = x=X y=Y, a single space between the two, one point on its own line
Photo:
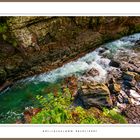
x=22 y=95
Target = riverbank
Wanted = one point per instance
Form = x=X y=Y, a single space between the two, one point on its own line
x=33 y=45
x=105 y=83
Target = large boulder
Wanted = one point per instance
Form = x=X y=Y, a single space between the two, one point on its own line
x=94 y=94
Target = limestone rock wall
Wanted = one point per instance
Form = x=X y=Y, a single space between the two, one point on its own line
x=36 y=44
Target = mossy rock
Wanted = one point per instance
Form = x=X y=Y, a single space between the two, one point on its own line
x=3 y=75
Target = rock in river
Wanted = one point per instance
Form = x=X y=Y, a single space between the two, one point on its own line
x=114 y=63
x=92 y=72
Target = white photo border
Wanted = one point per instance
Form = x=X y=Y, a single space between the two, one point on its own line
x=69 y=9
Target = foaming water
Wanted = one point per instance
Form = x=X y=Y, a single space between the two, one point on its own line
x=22 y=94
x=90 y=60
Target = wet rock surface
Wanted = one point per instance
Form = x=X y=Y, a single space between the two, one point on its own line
x=42 y=41
x=121 y=88
x=92 y=72
x=114 y=64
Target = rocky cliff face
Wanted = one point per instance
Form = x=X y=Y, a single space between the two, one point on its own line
x=36 y=44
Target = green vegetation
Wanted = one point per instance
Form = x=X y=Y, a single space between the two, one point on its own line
x=5 y=35
x=3 y=30
x=3 y=27
x=58 y=109
x=55 y=110
x=114 y=115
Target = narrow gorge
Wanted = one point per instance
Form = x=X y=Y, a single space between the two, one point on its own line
x=69 y=70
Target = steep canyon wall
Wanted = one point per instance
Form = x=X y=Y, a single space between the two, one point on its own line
x=31 y=45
